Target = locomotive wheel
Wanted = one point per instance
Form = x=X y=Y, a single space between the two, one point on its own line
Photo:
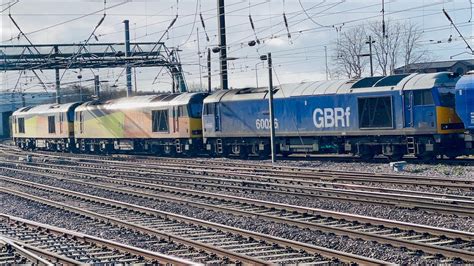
x=452 y=154
x=263 y=155
x=395 y=157
x=157 y=150
x=170 y=150
x=243 y=153
x=366 y=153
x=427 y=157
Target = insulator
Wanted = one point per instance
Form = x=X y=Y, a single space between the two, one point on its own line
x=286 y=25
x=251 y=23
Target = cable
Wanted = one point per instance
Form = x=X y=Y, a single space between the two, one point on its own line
x=194 y=23
x=71 y=20
x=8 y=7
x=34 y=47
x=87 y=41
x=309 y=17
x=470 y=4
x=460 y=34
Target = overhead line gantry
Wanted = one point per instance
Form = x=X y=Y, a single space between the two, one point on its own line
x=93 y=56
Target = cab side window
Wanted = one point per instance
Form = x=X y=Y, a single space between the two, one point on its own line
x=209 y=108
x=422 y=97
x=182 y=111
x=160 y=121
x=21 y=125
x=51 y=124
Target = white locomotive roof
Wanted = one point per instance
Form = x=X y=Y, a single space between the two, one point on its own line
x=365 y=85
x=44 y=109
x=140 y=102
x=426 y=81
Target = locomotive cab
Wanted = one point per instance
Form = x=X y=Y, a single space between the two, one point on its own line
x=465 y=108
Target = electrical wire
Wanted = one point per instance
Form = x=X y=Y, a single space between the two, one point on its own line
x=194 y=24
x=75 y=55
x=8 y=7
x=70 y=20
x=309 y=17
x=34 y=47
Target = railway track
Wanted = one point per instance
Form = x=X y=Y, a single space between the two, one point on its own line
x=452 y=204
x=246 y=246
x=448 y=243
x=100 y=168
x=12 y=252
x=23 y=241
x=248 y=170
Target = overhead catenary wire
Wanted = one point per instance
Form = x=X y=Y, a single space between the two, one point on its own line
x=79 y=51
x=294 y=29
x=460 y=34
x=310 y=17
x=194 y=23
x=70 y=20
x=10 y=4
x=34 y=47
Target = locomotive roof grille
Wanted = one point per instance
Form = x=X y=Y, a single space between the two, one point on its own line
x=252 y=90
x=159 y=97
x=390 y=80
x=26 y=109
x=366 y=82
x=170 y=97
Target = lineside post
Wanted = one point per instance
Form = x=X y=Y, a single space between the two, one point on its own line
x=209 y=78
x=222 y=44
x=127 y=55
x=58 y=79
x=97 y=86
x=268 y=57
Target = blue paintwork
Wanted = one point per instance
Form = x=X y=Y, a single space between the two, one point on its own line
x=294 y=116
x=465 y=101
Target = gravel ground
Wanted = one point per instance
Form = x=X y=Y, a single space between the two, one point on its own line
x=366 y=209
x=431 y=170
x=365 y=248
x=34 y=211
x=435 y=189
x=373 y=210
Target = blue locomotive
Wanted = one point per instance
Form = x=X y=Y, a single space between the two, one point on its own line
x=465 y=108
x=394 y=116
x=424 y=115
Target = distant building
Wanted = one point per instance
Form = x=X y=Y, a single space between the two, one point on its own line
x=9 y=102
x=456 y=66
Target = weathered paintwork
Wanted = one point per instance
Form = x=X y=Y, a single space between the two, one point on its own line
x=131 y=118
x=36 y=121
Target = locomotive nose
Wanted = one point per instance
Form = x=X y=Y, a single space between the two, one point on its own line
x=465 y=100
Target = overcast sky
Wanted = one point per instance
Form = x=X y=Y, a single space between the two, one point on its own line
x=298 y=58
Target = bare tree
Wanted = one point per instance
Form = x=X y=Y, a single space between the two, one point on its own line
x=349 y=48
x=411 y=48
x=399 y=44
x=387 y=47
